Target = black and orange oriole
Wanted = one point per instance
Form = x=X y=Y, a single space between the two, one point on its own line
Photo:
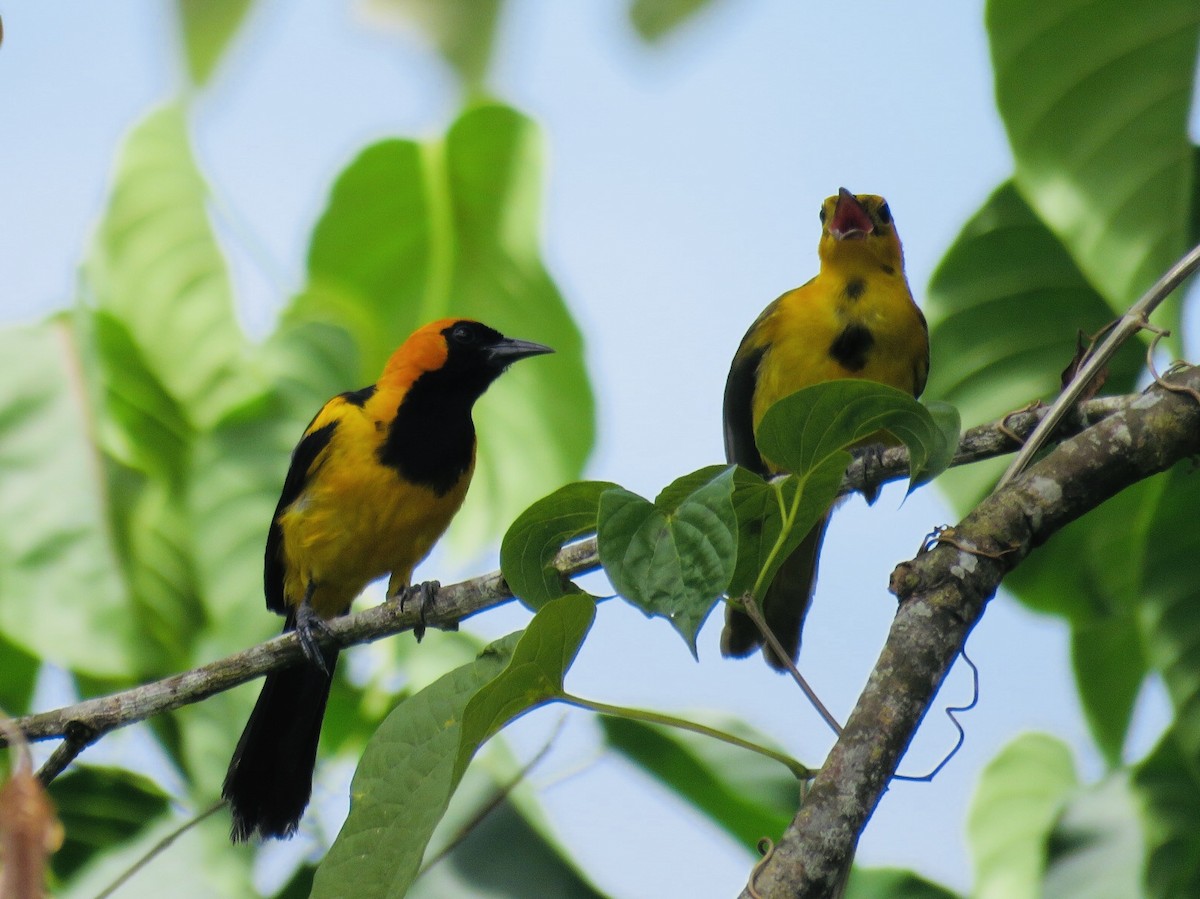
x=855 y=319
x=372 y=485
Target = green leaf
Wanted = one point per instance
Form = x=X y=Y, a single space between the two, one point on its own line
x=100 y=808
x=1095 y=849
x=1005 y=305
x=199 y=865
x=54 y=536
x=535 y=538
x=504 y=855
x=534 y=675
x=948 y=422
x=155 y=265
x=208 y=26
x=893 y=883
x=764 y=508
x=655 y=19
x=462 y=30
x=140 y=425
x=1110 y=666
x=1099 y=134
x=409 y=766
x=673 y=562
x=1169 y=790
x=814 y=426
x=1017 y=800
x=20 y=673
x=1164 y=546
x=413 y=232
x=744 y=793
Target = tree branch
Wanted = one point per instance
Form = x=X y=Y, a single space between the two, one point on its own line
x=96 y=717
x=942 y=594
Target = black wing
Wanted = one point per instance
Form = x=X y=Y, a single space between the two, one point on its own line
x=274 y=564
x=739 y=400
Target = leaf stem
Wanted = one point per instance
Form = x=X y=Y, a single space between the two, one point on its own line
x=802 y=772
x=788 y=517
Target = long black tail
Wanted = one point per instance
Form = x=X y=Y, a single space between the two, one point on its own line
x=784 y=607
x=270 y=776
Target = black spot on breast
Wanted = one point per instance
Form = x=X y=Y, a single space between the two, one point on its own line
x=850 y=348
x=854 y=288
x=359 y=397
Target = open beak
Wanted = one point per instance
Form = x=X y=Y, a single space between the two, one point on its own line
x=850 y=220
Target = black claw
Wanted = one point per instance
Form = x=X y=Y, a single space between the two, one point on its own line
x=426 y=594
x=311 y=629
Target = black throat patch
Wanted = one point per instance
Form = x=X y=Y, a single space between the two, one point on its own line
x=851 y=348
x=431 y=441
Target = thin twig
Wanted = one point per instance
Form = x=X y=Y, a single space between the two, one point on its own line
x=157 y=849
x=77 y=738
x=750 y=607
x=1130 y=323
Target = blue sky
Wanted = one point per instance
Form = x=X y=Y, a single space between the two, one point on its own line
x=681 y=197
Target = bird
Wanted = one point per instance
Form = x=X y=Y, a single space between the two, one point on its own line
x=373 y=483
x=855 y=319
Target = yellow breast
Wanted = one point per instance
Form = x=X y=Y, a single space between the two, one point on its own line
x=357 y=520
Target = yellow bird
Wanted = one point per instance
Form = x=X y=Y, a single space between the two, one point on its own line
x=855 y=319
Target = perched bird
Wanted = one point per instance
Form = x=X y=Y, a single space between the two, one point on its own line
x=372 y=485
x=855 y=319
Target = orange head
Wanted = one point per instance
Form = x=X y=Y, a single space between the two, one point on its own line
x=465 y=354
x=859 y=228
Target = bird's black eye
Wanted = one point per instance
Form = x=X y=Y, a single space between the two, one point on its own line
x=463 y=334
x=822 y=214
x=885 y=214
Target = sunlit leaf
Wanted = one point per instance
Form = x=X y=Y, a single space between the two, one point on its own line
x=1017 y=800
x=156 y=266
x=1099 y=134
x=1005 y=305
x=208 y=26
x=61 y=595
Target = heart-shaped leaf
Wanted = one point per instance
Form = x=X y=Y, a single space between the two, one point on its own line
x=534 y=539
x=674 y=562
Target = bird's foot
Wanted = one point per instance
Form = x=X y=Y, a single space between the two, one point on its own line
x=311 y=629
x=872 y=464
x=425 y=593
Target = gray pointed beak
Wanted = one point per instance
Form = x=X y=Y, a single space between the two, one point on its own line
x=509 y=350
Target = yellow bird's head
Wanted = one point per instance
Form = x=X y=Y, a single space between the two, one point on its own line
x=857 y=229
